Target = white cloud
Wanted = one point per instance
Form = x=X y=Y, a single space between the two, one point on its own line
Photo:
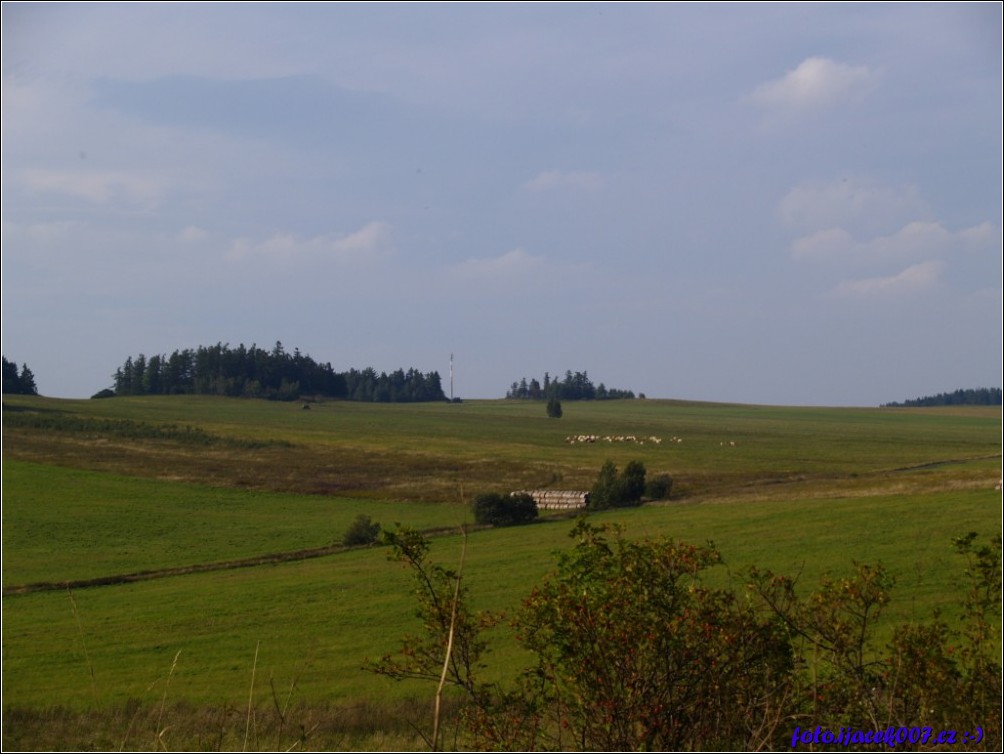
x=816 y=83
x=193 y=234
x=513 y=264
x=916 y=278
x=99 y=187
x=984 y=234
x=850 y=202
x=57 y=231
x=580 y=180
x=370 y=242
x=373 y=239
x=827 y=243
x=914 y=240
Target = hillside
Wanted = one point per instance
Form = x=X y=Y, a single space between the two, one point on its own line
x=169 y=484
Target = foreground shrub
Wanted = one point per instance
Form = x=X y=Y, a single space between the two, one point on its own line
x=449 y=653
x=633 y=651
x=497 y=509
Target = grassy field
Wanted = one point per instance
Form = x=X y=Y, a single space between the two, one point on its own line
x=98 y=488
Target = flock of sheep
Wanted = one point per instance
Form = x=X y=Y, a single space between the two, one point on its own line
x=573 y=439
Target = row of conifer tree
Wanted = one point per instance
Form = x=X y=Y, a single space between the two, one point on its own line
x=253 y=372
x=574 y=387
x=18 y=381
x=982 y=396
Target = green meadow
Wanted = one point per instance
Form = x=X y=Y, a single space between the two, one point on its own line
x=95 y=489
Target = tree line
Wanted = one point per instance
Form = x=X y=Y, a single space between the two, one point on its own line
x=253 y=372
x=574 y=387
x=18 y=381
x=973 y=397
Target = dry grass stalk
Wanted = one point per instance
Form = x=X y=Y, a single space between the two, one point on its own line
x=83 y=643
x=247 y=727
x=449 y=649
x=163 y=702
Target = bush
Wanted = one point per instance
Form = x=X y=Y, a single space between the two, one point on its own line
x=658 y=487
x=362 y=531
x=106 y=393
x=639 y=655
x=496 y=509
x=613 y=490
x=635 y=651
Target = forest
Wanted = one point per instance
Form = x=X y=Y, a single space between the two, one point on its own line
x=253 y=372
x=574 y=387
x=973 y=397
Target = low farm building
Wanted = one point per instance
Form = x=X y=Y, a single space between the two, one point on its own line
x=557 y=499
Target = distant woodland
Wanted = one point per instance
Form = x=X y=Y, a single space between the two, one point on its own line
x=18 y=381
x=978 y=397
x=253 y=372
x=574 y=387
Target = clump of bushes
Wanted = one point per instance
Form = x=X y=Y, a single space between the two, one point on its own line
x=658 y=487
x=497 y=509
x=362 y=531
x=618 y=490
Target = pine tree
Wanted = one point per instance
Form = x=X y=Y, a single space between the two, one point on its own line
x=11 y=380
x=27 y=380
x=554 y=408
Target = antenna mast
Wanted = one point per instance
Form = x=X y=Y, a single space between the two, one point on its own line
x=451 y=378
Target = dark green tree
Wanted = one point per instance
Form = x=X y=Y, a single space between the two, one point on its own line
x=18 y=383
x=554 y=408
x=11 y=378
x=28 y=381
x=618 y=490
x=606 y=488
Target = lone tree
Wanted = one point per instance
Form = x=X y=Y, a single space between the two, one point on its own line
x=554 y=408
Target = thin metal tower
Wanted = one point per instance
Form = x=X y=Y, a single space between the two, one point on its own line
x=451 y=378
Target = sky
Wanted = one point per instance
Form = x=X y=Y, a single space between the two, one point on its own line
x=771 y=204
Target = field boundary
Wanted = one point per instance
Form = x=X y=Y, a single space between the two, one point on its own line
x=163 y=573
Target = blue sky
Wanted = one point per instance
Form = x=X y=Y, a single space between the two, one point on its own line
x=782 y=203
